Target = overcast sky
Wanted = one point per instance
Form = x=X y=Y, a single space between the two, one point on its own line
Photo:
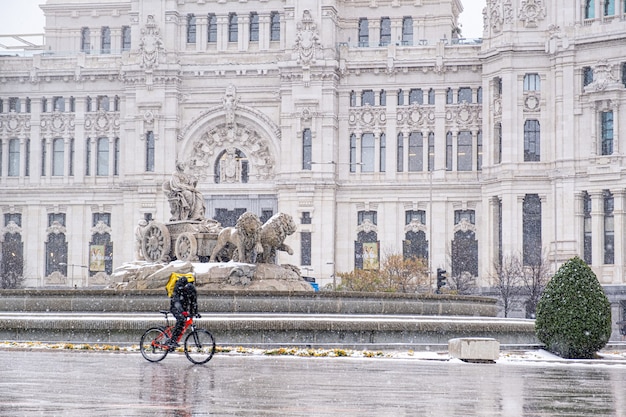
x=25 y=16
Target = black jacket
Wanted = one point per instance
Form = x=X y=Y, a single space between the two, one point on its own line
x=185 y=297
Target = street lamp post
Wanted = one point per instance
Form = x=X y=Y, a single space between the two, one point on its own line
x=72 y=271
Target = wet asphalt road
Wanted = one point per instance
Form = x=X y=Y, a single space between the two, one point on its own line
x=73 y=383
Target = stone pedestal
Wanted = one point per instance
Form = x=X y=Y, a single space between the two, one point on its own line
x=474 y=349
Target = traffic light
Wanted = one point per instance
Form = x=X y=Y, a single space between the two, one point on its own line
x=441 y=279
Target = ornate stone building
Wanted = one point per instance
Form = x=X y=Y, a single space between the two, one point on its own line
x=370 y=121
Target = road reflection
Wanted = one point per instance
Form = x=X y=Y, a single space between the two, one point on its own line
x=105 y=384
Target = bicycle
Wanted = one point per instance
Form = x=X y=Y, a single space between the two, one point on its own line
x=199 y=344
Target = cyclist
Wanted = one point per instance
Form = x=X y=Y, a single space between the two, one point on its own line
x=184 y=303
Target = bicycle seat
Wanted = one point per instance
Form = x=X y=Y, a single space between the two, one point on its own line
x=165 y=312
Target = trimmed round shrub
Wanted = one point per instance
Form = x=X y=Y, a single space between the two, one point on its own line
x=574 y=314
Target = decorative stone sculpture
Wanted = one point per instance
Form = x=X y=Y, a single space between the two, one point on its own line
x=186 y=203
x=241 y=241
x=273 y=234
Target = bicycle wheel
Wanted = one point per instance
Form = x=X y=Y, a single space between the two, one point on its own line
x=199 y=346
x=152 y=344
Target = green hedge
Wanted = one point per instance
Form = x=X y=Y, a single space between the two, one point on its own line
x=574 y=314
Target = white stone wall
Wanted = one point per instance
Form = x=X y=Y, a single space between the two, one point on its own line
x=181 y=92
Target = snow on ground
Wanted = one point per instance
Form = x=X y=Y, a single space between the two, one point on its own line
x=516 y=357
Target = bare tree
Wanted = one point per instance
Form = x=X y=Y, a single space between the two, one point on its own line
x=535 y=277
x=463 y=283
x=507 y=281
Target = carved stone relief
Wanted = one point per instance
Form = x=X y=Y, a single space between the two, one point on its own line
x=150 y=44
x=531 y=12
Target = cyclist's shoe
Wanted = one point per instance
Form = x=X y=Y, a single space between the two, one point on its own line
x=172 y=345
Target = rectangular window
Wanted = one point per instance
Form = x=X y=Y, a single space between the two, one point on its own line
x=532 y=82
x=431 y=151
x=103 y=103
x=306 y=217
x=105 y=40
x=479 y=150
x=88 y=157
x=590 y=11
x=467 y=215
x=116 y=157
x=400 y=153
x=364 y=33
x=150 y=151
x=367 y=152
x=14 y=158
x=306 y=149
x=624 y=63
x=85 y=42
x=102 y=157
x=369 y=216
x=431 y=96
x=587 y=76
x=607 y=132
x=58 y=103
x=385 y=31
x=383 y=152
x=587 y=235
x=465 y=95
x=212 y=28
x=464 y=151
x=449 y=96
x=126 y=38
x=609 y=229
x=101 y=217
x=14 y=218
x=191 y=28
x=274 y=26
x=58 y=156
x=26 y=159
x=498 y=135
x=353 y=153
x=43 y=157
x=407 y=31
x=233 y=27
x=449 y=151
x=414 y=215
x=416 y=96
x=305 y=248
x=254 y=27
x=416 y=150
x=609 y=7
x=531 y=230
x=400 y=97
x=367 y=97
x=383 y=97
x=71 y=162
x=14 y=104
x=532 y=141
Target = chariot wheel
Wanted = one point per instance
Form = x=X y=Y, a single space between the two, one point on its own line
x=156 y=242
x=186 y=247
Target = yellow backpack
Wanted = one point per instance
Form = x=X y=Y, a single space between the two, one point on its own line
x=171 y=283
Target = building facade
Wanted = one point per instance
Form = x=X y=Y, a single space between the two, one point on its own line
x=372 y=123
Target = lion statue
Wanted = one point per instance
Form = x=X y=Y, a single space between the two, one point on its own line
x=273 y=234
x=241 y=242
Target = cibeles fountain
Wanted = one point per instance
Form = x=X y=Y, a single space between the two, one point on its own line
x=243 y=256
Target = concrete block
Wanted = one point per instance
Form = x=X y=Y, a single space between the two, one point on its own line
x=474 y=349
